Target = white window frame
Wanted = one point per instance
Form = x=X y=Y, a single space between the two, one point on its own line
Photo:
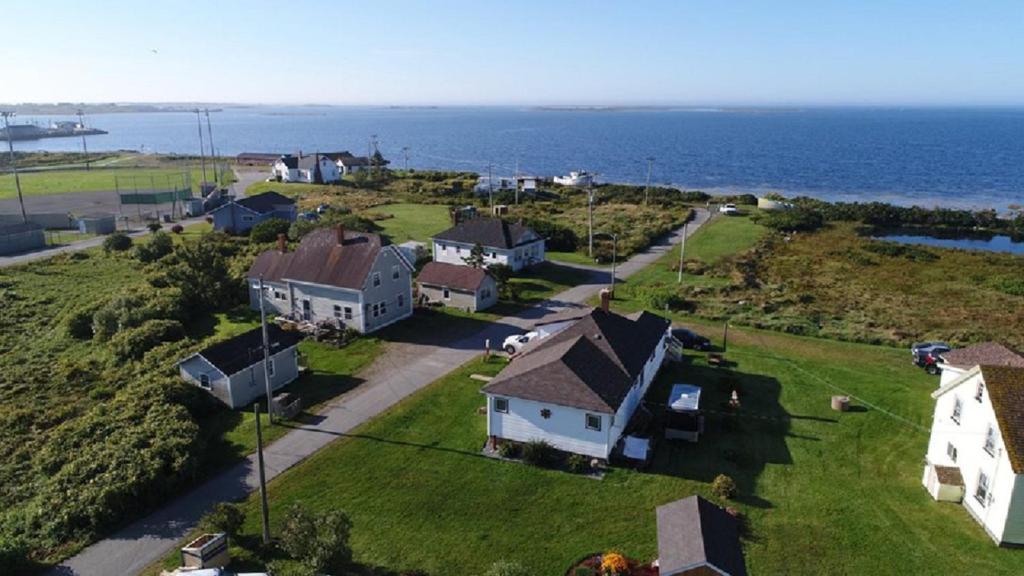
x=981 y=491
x=337 y=310
x=204 y=382
x=990 y=440
x=587 y=422
x=376 y=279
x=500 y=405
x=348 y=312
x=958 y=407
x=951 y=451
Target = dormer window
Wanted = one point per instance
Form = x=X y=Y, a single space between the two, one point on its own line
x=981 y=390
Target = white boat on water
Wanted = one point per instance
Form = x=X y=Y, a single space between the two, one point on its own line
x=578 y=179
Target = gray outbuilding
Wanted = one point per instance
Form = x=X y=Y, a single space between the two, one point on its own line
x=697 y=538
x=97 y=224
x=462 y=287
x=232 y=370
x=21 y=237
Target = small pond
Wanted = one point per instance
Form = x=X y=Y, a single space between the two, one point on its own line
x=985 y=242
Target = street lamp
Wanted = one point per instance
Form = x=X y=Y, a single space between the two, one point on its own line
x=615 y=250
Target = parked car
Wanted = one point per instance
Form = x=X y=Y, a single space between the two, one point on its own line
x=514 y=343
x=728 y=209
x=323 y=208
x=921 y=350
x=690 y=339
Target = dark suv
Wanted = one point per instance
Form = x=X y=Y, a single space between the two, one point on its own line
x=690 y=339
x=926 y=354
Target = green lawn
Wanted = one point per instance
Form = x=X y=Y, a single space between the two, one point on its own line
x=823 y=492
x=411 y=221
x=101 y=179
x=575 y=258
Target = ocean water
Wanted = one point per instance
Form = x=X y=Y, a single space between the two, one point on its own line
x=951 y=157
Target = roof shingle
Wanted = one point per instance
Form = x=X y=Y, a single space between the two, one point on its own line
x=693 y=532
x=987 y=353
x=1005 y=386
x=319 y=259
x=265 y=202
x=489 y=232
x=246 y=349
x=452 y=275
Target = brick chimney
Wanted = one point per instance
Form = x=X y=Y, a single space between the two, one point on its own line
x=282 y=243
x=606 y=297
x=339 y=230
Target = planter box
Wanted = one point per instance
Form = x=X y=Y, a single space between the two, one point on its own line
x=207 y=551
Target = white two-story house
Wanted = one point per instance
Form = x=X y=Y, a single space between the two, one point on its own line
x=309 y=169
x=976 y=450
x=578 y=388
x=513 y=245
x=344 y=278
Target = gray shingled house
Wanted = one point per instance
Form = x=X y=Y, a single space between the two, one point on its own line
x=232 y=370
x=462 y=287
x=578 y=388
x=514 y=245
x=344 y=278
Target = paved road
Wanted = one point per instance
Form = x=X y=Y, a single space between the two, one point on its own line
x=100 y=202
x=405 y=368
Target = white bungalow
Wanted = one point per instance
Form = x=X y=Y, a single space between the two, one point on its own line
x=577 y=389
x=513 y=245
x=315 y=169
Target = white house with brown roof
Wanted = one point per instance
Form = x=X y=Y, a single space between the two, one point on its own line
x=463 y=287
x=960 y=361
x=308 y=169
x=335 y=276
x=513 y=245
x=976 y=450
x=578 y=388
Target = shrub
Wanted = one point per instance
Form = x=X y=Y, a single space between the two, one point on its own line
x=659 y=297
x=117 y=242
x=578 y=464
x=614 y=564
x=268 y=230
x=507 y=568
x=318 y=540
x=153 y=226
x=508 y=449
x=723 y=486
x=1011 y=286
x=134 y=342
x=159 y=245
x=177 y=228
x=225 y=517
x=79 y=324
x=796 y=220
x=538 y=453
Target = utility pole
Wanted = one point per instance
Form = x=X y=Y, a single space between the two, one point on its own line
x=517 y=181
x=85 y=149
x=209 y=131
x=590 y=220
x=682 y=248
x=490 y=186
x=405 y=153
x=14 y=168
x=202 y=159
x=647 y=189
x=266 y=355
x=263 y=476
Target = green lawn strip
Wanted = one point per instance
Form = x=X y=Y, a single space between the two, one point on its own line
x=823 y=492
x=100 y=179
x=411 y=221
x=575 y=258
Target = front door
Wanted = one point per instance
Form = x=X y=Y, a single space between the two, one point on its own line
x=307 y=311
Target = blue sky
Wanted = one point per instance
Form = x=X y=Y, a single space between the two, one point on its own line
x=516 y=52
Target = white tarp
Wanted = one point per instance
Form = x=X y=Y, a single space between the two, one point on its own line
x=684 y=398
x=636 y=448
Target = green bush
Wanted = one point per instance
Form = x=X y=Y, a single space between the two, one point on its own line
x=133 y=343
x=117 y=242
x=268 y=230
x=538 y=453
x=892 y=249
x=153 y=227
x=578 y=463
x=1011 y=286
x=318 y=540
x=794 y=220
x=507 y=568
x=225 y=517
x=79 y=324
x=659 y=297
x=158 y=246
x=508 y=449
x=724 y=487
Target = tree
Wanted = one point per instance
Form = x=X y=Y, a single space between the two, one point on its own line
x=117 y=242
x=225 y=517
x=202 y=275
x=476 y=256
x=153 y=226
x=318 y=540
x=160 y=244
x=268 y=230
x=502 y=277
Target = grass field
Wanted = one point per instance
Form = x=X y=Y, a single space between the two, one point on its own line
x=823 y=492
x=100 y=179
x=411 y=221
